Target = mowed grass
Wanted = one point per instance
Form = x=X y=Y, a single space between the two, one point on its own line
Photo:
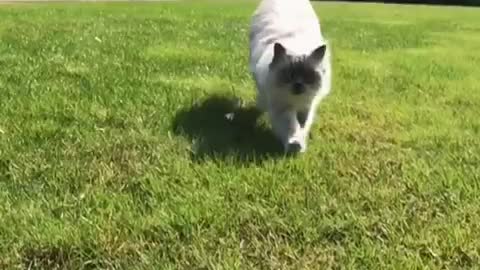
x=115 y=152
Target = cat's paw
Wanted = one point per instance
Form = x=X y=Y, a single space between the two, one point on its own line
x=294 y=147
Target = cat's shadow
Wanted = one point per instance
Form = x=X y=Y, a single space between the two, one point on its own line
x=221 y=129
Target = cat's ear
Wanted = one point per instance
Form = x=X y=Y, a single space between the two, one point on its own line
x=279 y=53
x=318 y=54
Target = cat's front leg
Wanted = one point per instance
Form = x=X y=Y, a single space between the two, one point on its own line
x=304 y=122
x=286 y=127
x=305 y=119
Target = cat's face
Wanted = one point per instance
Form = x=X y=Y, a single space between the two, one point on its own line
x=297 y=74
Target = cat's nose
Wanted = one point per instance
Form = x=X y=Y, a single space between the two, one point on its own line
x=298 y=88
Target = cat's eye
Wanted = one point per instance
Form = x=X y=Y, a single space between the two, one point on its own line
x=287 y=76
x=310 y=76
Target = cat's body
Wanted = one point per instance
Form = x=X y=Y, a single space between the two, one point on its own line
x=290 y=63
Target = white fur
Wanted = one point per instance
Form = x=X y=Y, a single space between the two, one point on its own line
x=294 y=24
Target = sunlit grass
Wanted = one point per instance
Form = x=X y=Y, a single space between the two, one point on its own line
x=115 y=151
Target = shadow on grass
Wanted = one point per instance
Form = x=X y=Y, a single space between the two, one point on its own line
x=214 y=135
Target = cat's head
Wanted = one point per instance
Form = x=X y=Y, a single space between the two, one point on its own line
x=297 y=74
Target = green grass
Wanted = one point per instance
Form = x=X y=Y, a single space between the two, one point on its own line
x=115 y=153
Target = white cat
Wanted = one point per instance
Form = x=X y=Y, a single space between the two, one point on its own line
x=290 y=63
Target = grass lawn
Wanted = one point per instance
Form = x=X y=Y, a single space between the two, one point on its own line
x=115 y=152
